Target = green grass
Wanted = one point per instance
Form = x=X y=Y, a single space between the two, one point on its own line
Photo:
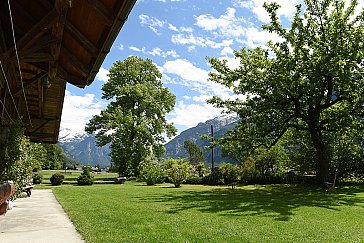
x=133 y=212
x=71 y=175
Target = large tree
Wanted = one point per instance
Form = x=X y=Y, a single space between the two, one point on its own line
x=195 y=154
x=134 y=121
x=310 y=81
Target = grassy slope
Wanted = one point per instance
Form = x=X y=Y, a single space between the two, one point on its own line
x=136 y=213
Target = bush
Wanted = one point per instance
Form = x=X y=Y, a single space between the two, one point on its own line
x=150 y=171
x=194 y=180
x=177 y=171
x=57 y=179
x=214 y=178
x=231 y=174
x=85 y=178
x=37 y=178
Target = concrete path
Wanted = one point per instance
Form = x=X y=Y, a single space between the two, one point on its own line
x=37 y=219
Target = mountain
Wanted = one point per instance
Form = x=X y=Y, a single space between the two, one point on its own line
x=175 y=147
x=82 y=147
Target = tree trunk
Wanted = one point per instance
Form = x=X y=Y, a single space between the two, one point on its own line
x=323 y=159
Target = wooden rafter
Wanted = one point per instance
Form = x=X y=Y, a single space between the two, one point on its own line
x=82 y=39
x=105 y=15
x=31 y=36
x=61 y=7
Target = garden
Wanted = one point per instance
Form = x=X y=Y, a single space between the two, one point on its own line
x=134 y=212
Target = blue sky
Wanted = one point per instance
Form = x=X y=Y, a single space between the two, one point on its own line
x=178 y=35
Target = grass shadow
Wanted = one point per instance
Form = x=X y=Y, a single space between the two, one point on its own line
x=278 y=201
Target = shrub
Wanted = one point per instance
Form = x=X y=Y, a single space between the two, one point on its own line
x=37 y=178
x=194 y=180
x=231 y=174
x=177 y=171
x=150 y=171
x=85 y=178
x=57 y=179
x=213 y=178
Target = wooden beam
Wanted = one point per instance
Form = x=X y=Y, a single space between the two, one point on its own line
x=38 y=128
x=57 y=32
x=31 y=36
x=28 y=83
x=37 y=57
x=75 y=62
x=88 y=45
x=70 y=78
x=102 y=12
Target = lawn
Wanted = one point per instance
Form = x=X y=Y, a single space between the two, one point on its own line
x=70 y=176
x=133 y=212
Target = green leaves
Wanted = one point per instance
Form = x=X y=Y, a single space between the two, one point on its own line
x=134 y=120
x=311 y=80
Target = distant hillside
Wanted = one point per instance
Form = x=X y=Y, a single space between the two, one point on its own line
x=221 y=125
x=82 y=147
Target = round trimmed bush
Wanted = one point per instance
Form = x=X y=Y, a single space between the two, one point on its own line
x=57 y=179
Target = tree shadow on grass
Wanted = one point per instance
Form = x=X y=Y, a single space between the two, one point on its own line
x=278 y=201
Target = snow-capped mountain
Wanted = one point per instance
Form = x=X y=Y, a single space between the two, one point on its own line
x=67 y=135
x=82 y=147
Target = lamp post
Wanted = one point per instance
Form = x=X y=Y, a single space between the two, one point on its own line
x=212 y=149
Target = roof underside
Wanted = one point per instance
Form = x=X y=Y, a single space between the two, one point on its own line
x=57 y=41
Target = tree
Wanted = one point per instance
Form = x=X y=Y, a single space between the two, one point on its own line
x=177 y=171
x=86 y=178
x=194 y=152
x=310 y=81
x=55 y=157
x=134 y=120
x=231 y=174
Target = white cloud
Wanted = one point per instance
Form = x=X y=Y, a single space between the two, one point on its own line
x=102 y=75
x=185 y=70
x=202 y=98
x=172 y=27
x=77 y=111
x=151 y=22
x=159 y=52
x=227 y=50
x=287 y=9
x=121 y=47
x=256 y=37
x=227 y=25
x=188 y=39
x=133 y=48
x=190 y=115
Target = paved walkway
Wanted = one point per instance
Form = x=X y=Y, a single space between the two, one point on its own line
x=37 y=219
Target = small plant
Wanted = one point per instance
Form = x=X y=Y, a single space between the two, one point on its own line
x=85 y=178
x=177 y=171
x=37 y=178
x=57 y=179
x=151 y=171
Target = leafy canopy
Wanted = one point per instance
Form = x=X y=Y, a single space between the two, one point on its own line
x=310 y=81
x=134 y=120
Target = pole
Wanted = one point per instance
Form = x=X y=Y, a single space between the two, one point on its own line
x=212 y=149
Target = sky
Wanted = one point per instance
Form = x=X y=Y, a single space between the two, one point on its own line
x=178 y=35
